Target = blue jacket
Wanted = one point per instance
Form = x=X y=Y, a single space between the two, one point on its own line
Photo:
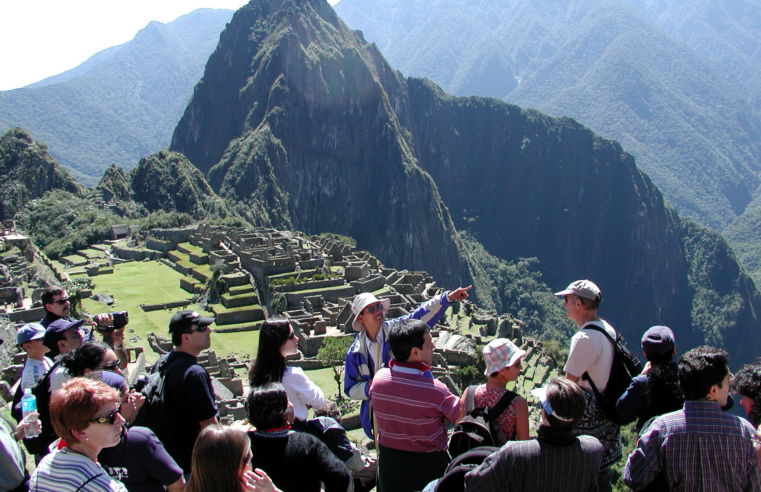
x=359 y=365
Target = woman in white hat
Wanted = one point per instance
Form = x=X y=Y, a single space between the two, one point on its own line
x=503 y=364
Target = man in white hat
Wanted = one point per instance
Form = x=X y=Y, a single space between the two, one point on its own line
x=371 y=352
x=591 y=357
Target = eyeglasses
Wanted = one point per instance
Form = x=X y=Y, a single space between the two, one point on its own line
x=61 y=301
x=106 y=420
x=110 y=367
x=373 y=308
x=200 y=329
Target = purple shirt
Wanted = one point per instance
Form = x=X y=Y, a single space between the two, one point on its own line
x=699 y=448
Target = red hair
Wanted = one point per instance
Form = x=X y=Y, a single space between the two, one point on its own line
x=78 y=401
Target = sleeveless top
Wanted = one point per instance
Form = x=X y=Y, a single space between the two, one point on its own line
x=488 y=397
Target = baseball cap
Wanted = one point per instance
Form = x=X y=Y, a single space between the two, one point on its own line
x=501 y=353
x=361 y=301
x=29 y=332
x=658 y=340
x=183 y=320
x=582 y=288
x=54 y=332
x=541 y=395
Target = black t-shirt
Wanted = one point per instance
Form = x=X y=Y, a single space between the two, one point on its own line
x=189 y=399
x=140 y=462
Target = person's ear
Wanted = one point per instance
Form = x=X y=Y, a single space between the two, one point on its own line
x=62 y=346
x=81 y=435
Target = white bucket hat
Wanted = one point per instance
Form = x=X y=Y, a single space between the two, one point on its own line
x=363 y=300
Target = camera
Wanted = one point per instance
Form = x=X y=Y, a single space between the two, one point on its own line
x=142 y=380
x=121 y=319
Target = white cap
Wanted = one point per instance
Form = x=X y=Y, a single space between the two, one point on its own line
x=363 y=300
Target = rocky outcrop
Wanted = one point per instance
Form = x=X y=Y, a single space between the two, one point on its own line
x=27 y=171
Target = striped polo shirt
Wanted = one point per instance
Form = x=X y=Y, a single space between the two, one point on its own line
x=412 y=408
x=66 y=471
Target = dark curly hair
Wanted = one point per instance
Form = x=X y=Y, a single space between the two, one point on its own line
x=700 y=369
x=664 y=394
x=87 y=356
x=747 y=382
x=269 y=365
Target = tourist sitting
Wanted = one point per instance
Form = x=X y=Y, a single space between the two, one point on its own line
x=296 y=461
x=656 y=391
x=85 y=414
x=503 y=364
x=557 y=461
x=139 y=461
x=222 y=463
x=277 y=341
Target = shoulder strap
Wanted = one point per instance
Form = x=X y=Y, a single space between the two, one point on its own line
x=600 y=330
x=501 y=405
x=88 y=481
x=470 y=400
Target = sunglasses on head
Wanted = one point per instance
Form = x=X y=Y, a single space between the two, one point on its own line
x=106 y=420
x=61 y=301
x=373 y=308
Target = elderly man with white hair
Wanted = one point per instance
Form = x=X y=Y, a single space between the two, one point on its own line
x=371 y=352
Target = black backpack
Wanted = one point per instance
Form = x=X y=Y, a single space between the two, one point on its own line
x=479 y=427
x=454 y=478
x=625 y=367
x=153 y=413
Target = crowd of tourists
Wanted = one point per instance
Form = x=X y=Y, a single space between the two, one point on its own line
x=92 y=433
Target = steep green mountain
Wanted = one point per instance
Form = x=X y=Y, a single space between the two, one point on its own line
x=167 y=181
x=744 y=234
x=123 y=103
x=608 y=65
x=301 y=122
x=27 y=171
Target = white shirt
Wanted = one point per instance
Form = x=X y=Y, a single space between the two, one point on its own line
x=34 y=370
x=591 y=352
x=302 y=392
x=58 y=376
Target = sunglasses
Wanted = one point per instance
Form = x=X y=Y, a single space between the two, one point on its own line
x=293 y=335
x=61 y=301
x=106 y=420
x=200 y=329
x=375 y=307
x=110 y=367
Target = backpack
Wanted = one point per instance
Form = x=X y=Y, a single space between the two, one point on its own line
x=454 y=477
x=625 y=367
x=153 y=413
x=479 y=427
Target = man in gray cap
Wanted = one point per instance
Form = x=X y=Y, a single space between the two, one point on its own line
x=590 y=358
x=370 y=351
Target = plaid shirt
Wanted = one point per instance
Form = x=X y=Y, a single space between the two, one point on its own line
x=699 y=448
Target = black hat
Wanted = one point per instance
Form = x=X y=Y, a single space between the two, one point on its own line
x=658 y=340
x=54 y=331
x=183 y=320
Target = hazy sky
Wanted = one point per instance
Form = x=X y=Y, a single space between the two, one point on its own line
x=41 y=38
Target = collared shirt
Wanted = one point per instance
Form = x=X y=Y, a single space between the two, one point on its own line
x=412 y=408
x=699 y=448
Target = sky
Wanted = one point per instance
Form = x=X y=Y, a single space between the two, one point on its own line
x=42 y=38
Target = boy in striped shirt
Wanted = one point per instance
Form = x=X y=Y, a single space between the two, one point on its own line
x=412 y=410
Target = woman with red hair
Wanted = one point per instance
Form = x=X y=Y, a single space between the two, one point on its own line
x=85 y=414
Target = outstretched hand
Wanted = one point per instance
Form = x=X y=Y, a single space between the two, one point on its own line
x=459 y=293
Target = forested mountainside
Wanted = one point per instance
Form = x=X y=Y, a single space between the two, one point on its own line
x=123 y=103
x=676 y=83
x=299 y=122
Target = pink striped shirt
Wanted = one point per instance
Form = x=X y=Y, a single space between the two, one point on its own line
x=411 y=408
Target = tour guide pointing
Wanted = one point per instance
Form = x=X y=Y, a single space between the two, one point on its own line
x=371 y=352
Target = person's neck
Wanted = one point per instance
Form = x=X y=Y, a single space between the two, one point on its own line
x=372 y=333
x=496 y=383
x=38 y=357
x=85 y=449
x=585 y=317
